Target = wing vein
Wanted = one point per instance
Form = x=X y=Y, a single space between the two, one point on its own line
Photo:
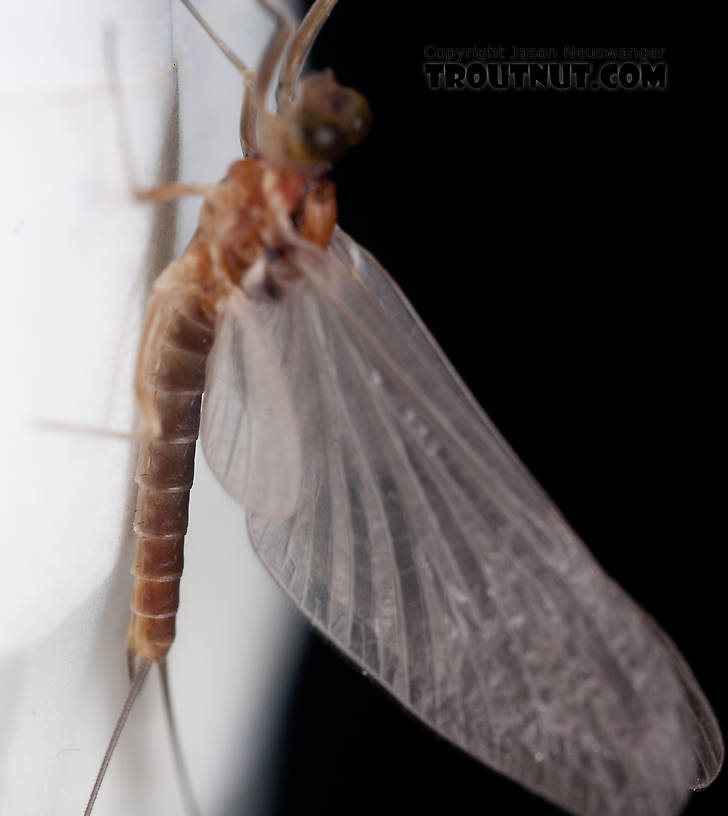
x=392 y=437
x=332 y=387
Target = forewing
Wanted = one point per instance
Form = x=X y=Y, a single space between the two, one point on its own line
x=704 y=731
x=412 y=536
x=249 y=429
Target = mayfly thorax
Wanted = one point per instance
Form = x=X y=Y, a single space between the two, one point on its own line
x=378 y=494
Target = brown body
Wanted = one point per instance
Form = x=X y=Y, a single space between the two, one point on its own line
x=254 y=210
x=244 y=247
x=164 y=475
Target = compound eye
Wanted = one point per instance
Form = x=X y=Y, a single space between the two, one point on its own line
x=325 y=119
x=358 y=125
x=321 y=140
x=327 y=139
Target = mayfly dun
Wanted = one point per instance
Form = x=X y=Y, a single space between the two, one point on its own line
x=378 y=494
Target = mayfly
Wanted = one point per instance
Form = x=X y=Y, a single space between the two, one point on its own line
x=378 y=494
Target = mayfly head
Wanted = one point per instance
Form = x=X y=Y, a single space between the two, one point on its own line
x=324 y=120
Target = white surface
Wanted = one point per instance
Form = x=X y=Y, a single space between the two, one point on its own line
x=76 y=252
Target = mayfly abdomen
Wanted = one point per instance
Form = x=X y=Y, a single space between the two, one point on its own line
x=172 y=367
x=164 y=474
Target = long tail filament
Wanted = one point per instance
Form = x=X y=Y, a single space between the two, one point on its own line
x=138 y=679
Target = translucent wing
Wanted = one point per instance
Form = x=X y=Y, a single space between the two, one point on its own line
x=421 y=546
x=249 y=429
x=707 y=740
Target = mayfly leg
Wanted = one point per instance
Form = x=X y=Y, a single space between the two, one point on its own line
x=256 y=82
x=286 y=38
x=162 y=193
x=248 y=112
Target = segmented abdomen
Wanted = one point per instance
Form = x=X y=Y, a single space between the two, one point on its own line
x=181 y=337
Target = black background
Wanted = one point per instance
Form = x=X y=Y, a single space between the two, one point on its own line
x=552 y=242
